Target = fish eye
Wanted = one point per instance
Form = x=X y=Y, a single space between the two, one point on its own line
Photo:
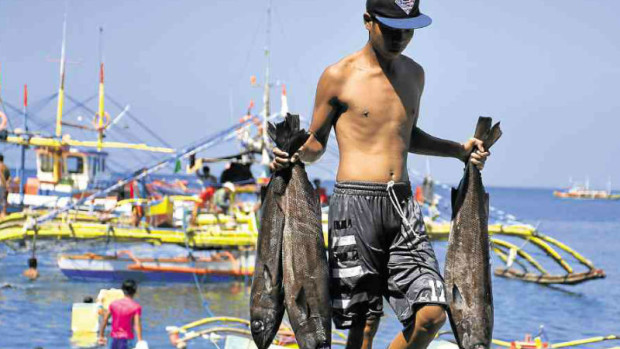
x=257 y=325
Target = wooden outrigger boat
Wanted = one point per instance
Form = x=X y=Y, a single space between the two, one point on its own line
x=512 y=254
x=215 y=266
x=231 y=332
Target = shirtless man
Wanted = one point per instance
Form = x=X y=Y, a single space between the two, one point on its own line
x=378 y=246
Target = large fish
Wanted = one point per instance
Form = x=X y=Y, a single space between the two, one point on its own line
x=304 y=260
x=467 y=269
x=267 y=295
x=291 y=263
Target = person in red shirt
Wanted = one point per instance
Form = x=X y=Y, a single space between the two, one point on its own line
x=126 y=316
x=321 y=192
x=205 y=200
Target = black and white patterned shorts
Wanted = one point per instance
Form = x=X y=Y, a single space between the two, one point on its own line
x=374 y=253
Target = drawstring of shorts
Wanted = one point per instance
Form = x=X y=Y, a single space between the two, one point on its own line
x=401 y=213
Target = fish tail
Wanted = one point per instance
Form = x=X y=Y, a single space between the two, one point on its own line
x=483 y=126
x=492 y=136
x=287 y=134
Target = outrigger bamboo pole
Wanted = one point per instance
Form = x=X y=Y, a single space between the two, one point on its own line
x=521 y=253
x=586 y=262
x=55 y=143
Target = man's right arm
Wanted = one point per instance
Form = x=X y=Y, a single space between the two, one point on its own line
x=138 y=326
x=323 y=116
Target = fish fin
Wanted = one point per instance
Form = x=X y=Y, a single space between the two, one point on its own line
x=456 y=200
x=302 y=304
x=453 y=195
x=267 y=277
x=457 y=297
x=263 y=193
x=272 y=131
x=455 y=332
x=483 y=126
x=493 y=135
x=486 y=204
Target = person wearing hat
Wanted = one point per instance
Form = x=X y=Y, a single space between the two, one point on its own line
x=378 y=246
x=223 y=197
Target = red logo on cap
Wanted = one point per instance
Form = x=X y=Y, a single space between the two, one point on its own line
x=406 y=5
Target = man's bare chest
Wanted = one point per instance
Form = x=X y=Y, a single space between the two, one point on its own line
x=378 y=99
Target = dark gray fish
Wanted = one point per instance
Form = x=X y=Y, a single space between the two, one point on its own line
x=267 y=295
x=291 y=260
x=467 y=268
x=304 y=261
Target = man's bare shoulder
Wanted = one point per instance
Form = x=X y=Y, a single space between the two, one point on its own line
x=335 y=75
x=339 y=71
x=413 y=69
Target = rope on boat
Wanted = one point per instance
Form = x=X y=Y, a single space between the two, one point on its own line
x=34 y=109
x=205 y=303
x=146 y=128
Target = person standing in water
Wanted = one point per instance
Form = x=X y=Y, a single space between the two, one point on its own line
x=126 y=316
x=378 y=246
x=5 y=181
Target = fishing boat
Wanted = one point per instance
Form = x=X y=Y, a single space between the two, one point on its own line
x=66 y=168
x=214 y=266
x=579 y=191
x=582 y=193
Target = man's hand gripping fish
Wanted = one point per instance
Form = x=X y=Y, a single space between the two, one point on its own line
x=467 y=269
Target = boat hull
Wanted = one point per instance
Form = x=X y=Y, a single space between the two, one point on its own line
x=182 y=270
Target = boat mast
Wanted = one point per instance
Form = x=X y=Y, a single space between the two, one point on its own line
x=265 y=160
x=22 y=170
x=61 y=97
x=101 y=112
x=61 y=88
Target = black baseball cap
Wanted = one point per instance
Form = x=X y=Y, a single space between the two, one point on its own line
x=398 y=14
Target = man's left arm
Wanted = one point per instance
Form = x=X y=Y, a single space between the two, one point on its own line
x=424 y=144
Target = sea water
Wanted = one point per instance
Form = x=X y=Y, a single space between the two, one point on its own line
x=39 y=313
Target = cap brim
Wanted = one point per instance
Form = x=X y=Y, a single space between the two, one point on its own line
x=420 y=21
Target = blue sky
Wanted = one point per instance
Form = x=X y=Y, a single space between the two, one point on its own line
x=547 y=70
